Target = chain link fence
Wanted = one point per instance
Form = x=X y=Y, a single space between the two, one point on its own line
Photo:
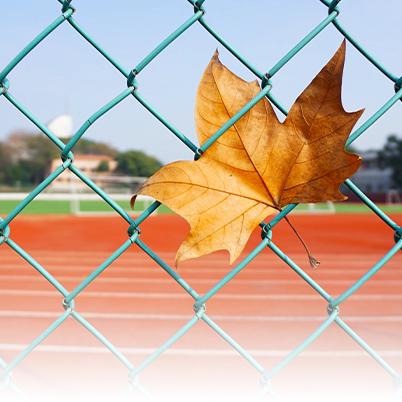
x=133 y=225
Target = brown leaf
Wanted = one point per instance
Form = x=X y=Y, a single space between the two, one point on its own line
x=259 y=164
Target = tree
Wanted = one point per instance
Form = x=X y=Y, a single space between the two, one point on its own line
x=29 y=158
x=43 y=151
x=391 y=156
x=5 y=164
x=103 y=167
x=137 y=163
x=22 y=173
x=26 y=158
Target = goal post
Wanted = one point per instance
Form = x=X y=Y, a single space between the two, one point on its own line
x=393 y=198
x=319 y=208
x=83 y=204
x=71 y=195
x=119 y=188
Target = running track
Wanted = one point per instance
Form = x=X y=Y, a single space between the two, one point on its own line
x=267 y=309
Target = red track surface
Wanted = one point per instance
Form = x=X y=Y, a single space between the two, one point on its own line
x=267 y=308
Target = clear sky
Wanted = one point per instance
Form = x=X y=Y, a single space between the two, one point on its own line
x=65 y=74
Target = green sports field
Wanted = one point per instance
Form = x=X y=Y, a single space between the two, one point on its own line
x=65 y=207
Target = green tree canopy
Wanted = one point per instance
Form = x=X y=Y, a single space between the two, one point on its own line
x=5 y=164
x=103 y=167
x=26 y=158
x=137 y=163
x=391 y=156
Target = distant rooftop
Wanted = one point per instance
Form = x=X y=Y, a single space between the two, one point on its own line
x=369 y=155
x=93 y=157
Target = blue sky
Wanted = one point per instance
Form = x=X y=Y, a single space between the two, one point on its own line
x=66 y=74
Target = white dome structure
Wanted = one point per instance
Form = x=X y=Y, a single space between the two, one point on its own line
x=61 y=126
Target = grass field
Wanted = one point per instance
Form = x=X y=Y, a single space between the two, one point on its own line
x=64 y=207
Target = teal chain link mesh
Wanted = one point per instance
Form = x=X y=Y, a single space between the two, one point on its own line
x=133 y=225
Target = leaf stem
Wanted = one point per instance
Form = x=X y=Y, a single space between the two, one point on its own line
x=314 y=263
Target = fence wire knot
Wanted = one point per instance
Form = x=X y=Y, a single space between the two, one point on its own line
x=397 y=384
x=4 y=233
x=198 y=154
x=66 y=6
x=3 y=238
x=334 y=7
x=133 y=229
x=133 y=380
x=199 y=7
x=5 y=85
x=331 y=309
x=397 y=235
x=68 y=306
x=265 y=380
x=200 y=310
x=266 y=80
x=131 y=81
x=266 y=232
x=7 y=378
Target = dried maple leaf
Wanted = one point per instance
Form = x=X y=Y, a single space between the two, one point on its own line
x=259 y=165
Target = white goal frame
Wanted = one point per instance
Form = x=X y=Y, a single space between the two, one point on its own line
x=77 y=196
x=393 y=198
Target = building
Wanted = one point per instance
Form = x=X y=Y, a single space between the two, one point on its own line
x=87 y=164
x=375 y=182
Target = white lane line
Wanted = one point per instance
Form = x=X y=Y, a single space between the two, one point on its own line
x=186 y=317
x=150 y=280
x=266 y=271
x=262 y=262
x=165 y=296
x=129 y=258
x=197 y=352
x=138 y=254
